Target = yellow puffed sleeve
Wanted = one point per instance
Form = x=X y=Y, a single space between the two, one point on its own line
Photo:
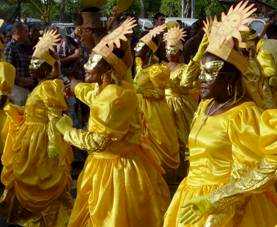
x=260 y=177
x=193 y=70
x=7 y=77
x=86 y=92
x=267 y=56
x=110 y=118
x=244 y=132
x=51 y=93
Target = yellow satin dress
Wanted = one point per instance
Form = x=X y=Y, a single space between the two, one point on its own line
x=157 y=120
x=223 y=148
x=267 y=58
x=2 y=130
x=36 y=184
x=181 y=104
x=120 y=184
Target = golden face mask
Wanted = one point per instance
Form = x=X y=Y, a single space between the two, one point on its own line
x=172 y=50
x=210 y=70
x=139 y=46
x=35 y=63
x=92 y=62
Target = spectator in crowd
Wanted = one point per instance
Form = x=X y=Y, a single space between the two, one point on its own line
x=271 y=31
x=159 y=19
x=18 y=52
x=34 y=36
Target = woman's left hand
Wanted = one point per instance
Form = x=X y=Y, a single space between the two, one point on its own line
x=193 y=211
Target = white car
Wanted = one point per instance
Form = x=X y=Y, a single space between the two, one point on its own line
x=145 y=24
x=187 y=21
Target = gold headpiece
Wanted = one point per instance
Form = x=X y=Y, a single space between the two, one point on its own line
x=46 y=43
x=7 y=76
x=174 y=39
x=221 y=41
x=104 y=49
x=148 y=38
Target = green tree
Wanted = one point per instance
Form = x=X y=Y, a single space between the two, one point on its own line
x=171 y=8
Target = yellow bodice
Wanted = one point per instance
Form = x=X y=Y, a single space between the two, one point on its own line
x=173 y=87
x=151 y=81
x=223 y=146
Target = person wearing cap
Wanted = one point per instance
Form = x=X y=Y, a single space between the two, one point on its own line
x=150 y=82
x=37 y=163
x=121 y=183
x=225 y=142
x=18 y=52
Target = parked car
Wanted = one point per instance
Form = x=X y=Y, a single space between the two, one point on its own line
x=145 y=24
x=65 y=28
x=187 y=21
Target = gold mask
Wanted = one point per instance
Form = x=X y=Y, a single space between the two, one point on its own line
x=36 y=63
x=139 y=46
x=210 y=70
x=172 y=50
x=92 y=62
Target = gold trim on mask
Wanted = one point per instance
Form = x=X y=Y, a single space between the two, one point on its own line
x=210 y=70
x=92 y=62
x=172 y=50
x=36 y=63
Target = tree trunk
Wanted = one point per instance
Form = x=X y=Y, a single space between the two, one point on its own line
x=62 y=10
x=142 y=6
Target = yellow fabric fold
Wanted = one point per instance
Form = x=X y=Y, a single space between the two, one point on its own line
x=223 y=149
x=36 y=180
x=157 y=120
x=119 y=176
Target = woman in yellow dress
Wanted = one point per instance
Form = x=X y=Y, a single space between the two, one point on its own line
x=7 y=77
x=224 y=139
x=121 y=184
x=178 y=95
x=37 y=164
x=157 y=120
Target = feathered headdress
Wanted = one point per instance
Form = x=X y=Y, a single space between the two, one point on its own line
x=47 y=42
x=148 y=38
x=221 y=37
x=111 y=41
x=174 y=38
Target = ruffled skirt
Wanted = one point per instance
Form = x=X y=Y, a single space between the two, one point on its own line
x=119 y=190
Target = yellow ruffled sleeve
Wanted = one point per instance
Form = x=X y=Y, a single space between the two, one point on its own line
x=51 y=92
x=110 y=119
x=267 y=57
x=244 y=132
x=55 y=139
x=193 y=70
x=86 y=92
x=260 y=177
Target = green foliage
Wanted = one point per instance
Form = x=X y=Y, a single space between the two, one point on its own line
x=171 y=8
x=206 y=8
